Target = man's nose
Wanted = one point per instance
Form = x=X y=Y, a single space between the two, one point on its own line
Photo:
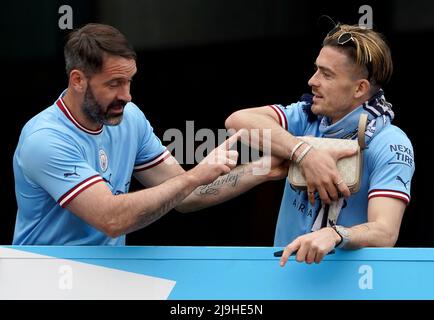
x=124 y=93
x=313 y=81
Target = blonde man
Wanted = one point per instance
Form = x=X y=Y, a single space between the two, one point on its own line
x=351 y=68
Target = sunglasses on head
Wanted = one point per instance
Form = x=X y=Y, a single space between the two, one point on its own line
x=344 y=38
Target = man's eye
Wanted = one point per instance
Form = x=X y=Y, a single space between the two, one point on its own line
x=326 y=75
x=113 y=84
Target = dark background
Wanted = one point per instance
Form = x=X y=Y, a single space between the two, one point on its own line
x=203 y=59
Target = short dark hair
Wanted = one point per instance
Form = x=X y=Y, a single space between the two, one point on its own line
x=86 y=47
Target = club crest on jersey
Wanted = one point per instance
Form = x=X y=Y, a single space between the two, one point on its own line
x=103 y=160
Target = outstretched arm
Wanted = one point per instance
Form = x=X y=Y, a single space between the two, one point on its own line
x=237 y=181
x=124 y=213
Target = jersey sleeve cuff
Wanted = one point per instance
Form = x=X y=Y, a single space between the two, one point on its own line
x=72 y=193
x=152 y=163
x=280 y=114
x=389 y=194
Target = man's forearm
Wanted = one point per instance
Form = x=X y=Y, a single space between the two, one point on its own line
x=236 y=182
x=282 y=142
x=141 y=208
x=371 y=234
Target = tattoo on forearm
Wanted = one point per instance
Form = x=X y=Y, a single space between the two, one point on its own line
x=165 y=207
x=231 y=179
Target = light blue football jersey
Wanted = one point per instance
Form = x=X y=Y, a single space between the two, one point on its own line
x=57 y=158
x=388 y=167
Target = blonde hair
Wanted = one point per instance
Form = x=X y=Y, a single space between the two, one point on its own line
x=366 y=48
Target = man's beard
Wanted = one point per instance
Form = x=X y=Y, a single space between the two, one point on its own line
x=95 y=112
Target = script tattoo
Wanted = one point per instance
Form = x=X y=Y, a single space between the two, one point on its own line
x=164 y=208
x=231 y=179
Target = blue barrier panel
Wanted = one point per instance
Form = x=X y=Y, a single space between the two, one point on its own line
x=202 y=273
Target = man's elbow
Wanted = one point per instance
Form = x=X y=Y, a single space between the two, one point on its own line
x=112 y=228
x=392 y=239
x=111 y=221
x=235 y=120
x=388 y=238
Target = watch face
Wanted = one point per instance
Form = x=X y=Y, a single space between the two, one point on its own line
x=342 y=231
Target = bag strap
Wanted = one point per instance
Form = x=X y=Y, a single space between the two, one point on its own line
x=363 y=121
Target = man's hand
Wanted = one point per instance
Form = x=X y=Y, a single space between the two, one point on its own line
x=322 y=175
x=311 y=247
x=218 y=162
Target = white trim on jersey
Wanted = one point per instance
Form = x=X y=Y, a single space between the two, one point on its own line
x=390 y=194
x=70 y=116
x=153 y=162
x=281 y=116
x=71 y=194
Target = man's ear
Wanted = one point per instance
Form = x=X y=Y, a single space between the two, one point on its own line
x=78 y=80
x=363 y=88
